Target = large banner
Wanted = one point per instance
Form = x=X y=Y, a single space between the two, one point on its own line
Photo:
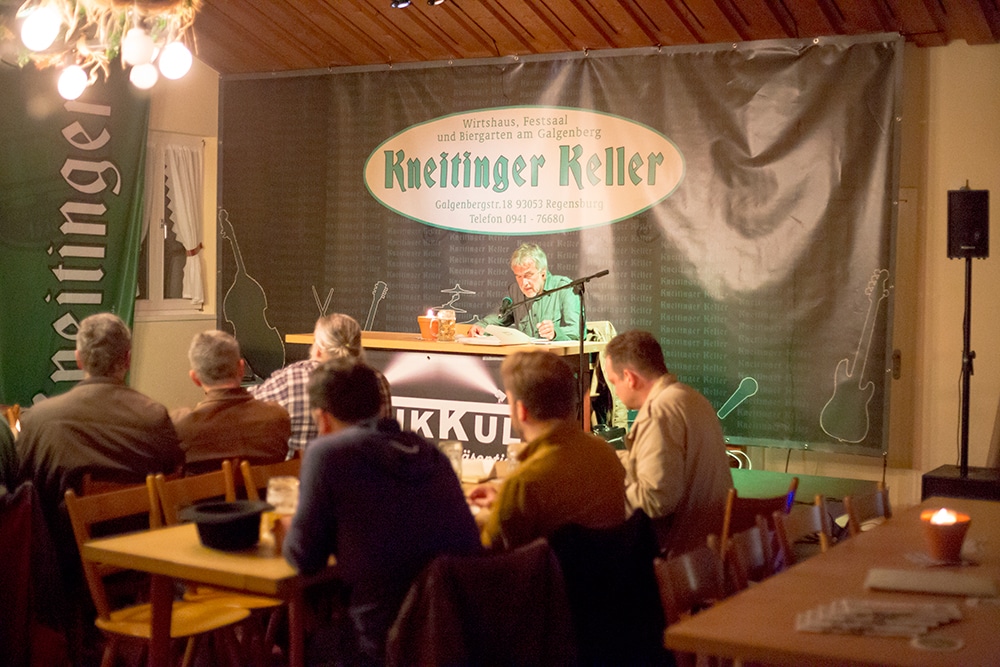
x=741 y=197
x=70 y=203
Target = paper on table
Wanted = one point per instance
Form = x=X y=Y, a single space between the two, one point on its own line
x=941 y=582
x=475 y=471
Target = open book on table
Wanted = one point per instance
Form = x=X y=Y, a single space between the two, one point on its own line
x=499 y=335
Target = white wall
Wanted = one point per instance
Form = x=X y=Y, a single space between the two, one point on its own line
x=950 y=129
x=159 y=355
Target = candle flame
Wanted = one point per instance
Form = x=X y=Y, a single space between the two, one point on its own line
x=430 y=312
x=944 y=517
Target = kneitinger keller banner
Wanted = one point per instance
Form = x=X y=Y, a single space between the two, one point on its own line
x=71 y=176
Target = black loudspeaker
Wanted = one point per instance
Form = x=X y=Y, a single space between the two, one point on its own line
x=968 y=223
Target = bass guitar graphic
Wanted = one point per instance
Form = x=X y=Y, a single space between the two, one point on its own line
x=845 y=415
x=378 y=293
x=245 y=308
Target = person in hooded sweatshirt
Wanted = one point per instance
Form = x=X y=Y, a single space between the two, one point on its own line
x=383 y=501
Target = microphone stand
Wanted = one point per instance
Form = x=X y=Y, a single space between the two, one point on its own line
x=579 y=288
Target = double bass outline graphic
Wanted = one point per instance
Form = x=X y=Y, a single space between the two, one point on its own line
x=245 y=308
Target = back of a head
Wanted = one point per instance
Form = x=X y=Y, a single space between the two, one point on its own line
x=542 y=381
x=338 y=336
x=215 y=357
x=639 y=351
x=347 y=389
x=530 y=252
x=104 y=343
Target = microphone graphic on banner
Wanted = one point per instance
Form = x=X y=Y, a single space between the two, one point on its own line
x=506 y=311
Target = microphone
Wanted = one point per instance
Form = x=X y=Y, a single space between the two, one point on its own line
x=506 y=316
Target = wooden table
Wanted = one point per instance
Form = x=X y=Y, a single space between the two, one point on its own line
x=177 y=553
x=758 y=624
x=394 y=340
x=453 y=390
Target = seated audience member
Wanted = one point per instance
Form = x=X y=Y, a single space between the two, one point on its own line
x=565 y=475
x=676 y=463
x=100 y=426
x=336 y=336
x=229 y=423
x=384 y=501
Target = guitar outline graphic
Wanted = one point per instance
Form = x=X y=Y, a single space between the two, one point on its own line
x=379 y=292
x=844 y=407
x=263 y=350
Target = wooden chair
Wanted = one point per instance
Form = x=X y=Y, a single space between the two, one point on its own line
x=188 y=620
x=174 y=495
x=180 y=492
x=803 y=522
x=255 y=477
x=867 y=507
x=689 y=583
x=749 y=556
x=741 y=513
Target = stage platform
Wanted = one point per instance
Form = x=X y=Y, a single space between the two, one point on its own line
x=764 y=483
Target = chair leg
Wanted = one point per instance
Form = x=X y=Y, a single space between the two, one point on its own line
x=110 y=652
x=189 y=651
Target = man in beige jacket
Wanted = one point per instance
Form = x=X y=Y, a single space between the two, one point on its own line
x=676 y=465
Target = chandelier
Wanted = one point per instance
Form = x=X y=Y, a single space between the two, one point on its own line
x=83 y=37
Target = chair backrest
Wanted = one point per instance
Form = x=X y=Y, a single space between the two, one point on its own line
x=86 y=512
x=749 y=556
x=176 y=494
x=504 y=608
x=255 y=476
x=865 y=507
x=801 y=523
x=741 y=513
x=689 y=582
x=612 y=590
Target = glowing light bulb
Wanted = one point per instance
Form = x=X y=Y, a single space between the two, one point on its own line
x=175 y=60
x=72 y=82
x=40 y=28
x=137 y=47
x=144 y=76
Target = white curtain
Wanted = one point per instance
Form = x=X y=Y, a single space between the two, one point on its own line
x=181 y=168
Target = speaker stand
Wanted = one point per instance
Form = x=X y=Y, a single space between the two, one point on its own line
x=967 y=358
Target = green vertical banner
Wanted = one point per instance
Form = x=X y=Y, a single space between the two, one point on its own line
x=71 y=182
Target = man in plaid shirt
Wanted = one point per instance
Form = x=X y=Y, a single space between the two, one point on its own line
x=336 y=335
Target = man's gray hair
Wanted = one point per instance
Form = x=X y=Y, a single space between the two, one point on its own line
x=532 y=252
x=215 y=357
x=104 y=343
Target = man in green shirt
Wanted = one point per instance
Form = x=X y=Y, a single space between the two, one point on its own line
x=553 y=317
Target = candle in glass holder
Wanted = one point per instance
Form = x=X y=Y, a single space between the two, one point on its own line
x=945 y=532
x=429 y=325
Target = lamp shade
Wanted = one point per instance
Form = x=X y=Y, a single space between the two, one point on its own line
x=137 y=47
x=144 y=76
x=40 y=28
x=72 y=82
x=175 y=60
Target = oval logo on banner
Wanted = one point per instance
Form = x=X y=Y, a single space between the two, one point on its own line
x=524 y=170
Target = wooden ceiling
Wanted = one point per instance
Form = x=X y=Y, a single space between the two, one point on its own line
x=262 y=36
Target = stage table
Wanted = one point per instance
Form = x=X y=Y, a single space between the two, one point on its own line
x=453 y=390
x=176 y=553
x=758 y=624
